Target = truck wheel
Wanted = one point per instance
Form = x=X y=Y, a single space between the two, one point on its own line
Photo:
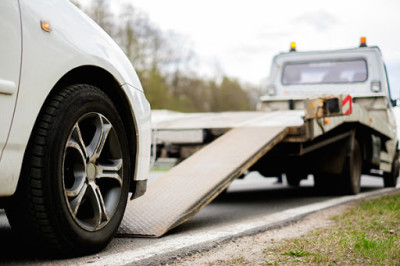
x=74 y=182
x=294 y=179
x=390 y=179
x=351 y=175
x=348 y=182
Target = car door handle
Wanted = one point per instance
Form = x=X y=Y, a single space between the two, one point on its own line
x=7 y=87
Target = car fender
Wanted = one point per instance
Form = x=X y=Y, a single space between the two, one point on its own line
x=74 y=41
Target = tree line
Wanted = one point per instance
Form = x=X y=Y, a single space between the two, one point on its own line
x=166 y=64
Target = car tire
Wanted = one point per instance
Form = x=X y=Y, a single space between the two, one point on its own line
x=74 y=182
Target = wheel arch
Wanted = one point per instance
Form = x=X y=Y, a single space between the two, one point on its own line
x=106 y=82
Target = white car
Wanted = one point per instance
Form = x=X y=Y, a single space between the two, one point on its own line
x=74 y=127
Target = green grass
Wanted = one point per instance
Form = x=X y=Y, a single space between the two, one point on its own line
x=298 y=253
x=367 y=234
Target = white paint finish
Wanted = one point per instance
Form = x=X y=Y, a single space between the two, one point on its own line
x=371 y=55
x=7 y=87
x=10 y=60
x=140 y=109
x=75 y=40
x=227 y=231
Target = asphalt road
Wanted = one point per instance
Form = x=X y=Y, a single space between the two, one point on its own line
x=245 y=200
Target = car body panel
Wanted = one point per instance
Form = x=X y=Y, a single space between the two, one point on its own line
x=74 y=41
x=10 y=54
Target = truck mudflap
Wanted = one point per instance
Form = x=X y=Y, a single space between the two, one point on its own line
x=188 y=187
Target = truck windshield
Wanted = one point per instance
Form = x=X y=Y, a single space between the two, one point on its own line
x=319 y=72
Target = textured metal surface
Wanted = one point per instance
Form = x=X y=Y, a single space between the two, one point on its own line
x=170 y=120
x=185 y=189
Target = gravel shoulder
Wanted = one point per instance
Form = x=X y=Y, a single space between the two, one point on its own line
x=251 y=249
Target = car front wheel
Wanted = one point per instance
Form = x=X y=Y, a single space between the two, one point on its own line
x=74 y=182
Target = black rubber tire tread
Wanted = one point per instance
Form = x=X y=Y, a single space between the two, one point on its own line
x=342 y=184
x=29 y=211
x=293 y=180
x=351 y=175
x=390 y=179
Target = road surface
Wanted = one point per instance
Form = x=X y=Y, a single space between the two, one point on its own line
x=246 y=203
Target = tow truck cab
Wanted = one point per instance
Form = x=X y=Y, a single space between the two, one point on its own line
x=360 y=72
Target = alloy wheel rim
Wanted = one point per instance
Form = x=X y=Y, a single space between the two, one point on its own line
x=92 y=171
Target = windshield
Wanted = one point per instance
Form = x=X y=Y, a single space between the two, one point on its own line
x=325 y=72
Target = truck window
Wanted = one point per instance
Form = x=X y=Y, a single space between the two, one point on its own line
x=320 y=72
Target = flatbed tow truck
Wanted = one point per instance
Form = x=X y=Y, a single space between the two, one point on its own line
x=326 y=113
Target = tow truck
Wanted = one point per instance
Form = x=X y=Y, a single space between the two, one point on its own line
x=326 y=113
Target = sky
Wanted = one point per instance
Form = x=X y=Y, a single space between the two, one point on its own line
x=240 y=37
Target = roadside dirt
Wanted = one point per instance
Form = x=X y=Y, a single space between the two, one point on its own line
x=250 y=250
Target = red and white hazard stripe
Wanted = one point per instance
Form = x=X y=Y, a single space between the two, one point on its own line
x=347 y=105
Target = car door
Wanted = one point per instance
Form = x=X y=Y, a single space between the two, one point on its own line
x=10 y=62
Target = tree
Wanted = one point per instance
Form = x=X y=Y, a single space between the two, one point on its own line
x=100 y=12
x=231 y=96
x=163 y=63
x=156 y=89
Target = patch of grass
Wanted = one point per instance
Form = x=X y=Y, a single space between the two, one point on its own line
x=374 y=247
x=297 y=253
x=369 y=233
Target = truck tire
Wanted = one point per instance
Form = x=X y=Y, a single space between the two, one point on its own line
x=348 y=181
x=351 y=175
x=390 y=179
x=294 y=179
x=75 y=176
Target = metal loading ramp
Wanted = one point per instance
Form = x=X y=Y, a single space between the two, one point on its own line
x=183 y=191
